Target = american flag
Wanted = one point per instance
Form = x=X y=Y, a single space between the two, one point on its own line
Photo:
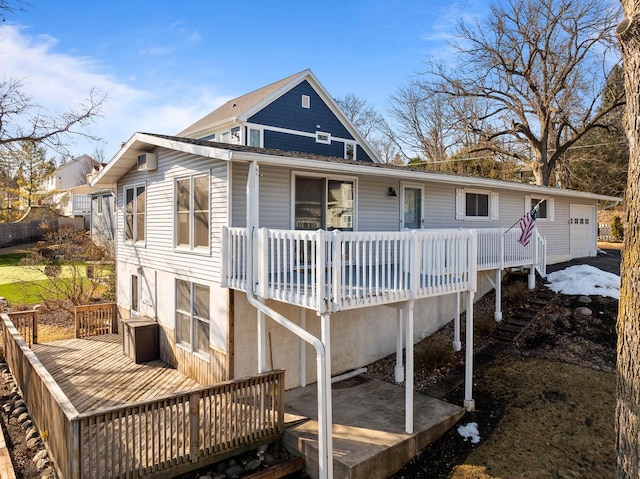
x=527 y=223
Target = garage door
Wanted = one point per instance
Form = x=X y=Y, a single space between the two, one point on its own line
x=582 y=231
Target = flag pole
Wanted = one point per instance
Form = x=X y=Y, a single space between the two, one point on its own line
x=533 y=210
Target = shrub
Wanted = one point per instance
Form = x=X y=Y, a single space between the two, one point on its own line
x=617 y=231
x=434 y=352
x=516 y=292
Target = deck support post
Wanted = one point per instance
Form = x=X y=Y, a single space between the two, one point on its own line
x=469 y=403
x=303 y=351
x=457 y=344
x=497 y=315
x=327 y=409
x=532 y=277
x=409 y=376
x=399 y=376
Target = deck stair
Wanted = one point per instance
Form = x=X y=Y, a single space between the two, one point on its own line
x=512 y=327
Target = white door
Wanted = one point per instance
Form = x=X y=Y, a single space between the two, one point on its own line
x=412 y=202
x=582 y=231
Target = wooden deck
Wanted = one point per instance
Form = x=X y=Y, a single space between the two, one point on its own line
x=95 y=374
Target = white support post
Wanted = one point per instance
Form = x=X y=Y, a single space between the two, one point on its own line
x=497 y=315
x=325 y=333
x=303 y=350
x=262 y=343
x=399 y=377
x=457 y=344
x=532 y=277
x=408 y=427
x=469 y=403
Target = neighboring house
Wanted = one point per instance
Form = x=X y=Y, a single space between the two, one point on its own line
x=103 y=214
x=293 y=114
x=67 y=186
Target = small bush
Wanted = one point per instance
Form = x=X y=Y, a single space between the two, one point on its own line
x=434 y=352
x=516 y=292
x=484 y=324
x=617 y=230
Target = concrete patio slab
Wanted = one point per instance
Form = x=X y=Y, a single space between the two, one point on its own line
x=368 y=427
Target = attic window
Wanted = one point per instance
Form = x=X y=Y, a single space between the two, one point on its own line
x=322 y=137
x=306 y=101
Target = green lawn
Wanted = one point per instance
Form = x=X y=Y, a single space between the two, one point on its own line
x=11 y=259
x=21 y=293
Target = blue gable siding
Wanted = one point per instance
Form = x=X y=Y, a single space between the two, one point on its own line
x=287 y=112
x=303 y=144
x=361 y=155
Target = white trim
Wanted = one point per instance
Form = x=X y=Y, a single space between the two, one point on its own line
x=306 y=101
x=355 y=150
x=326 y=177
x=320 y=137
x=528 y=204
x=190 y=248
x=418 y=186
x=257 y=128
x=461 y=204
x=134 y=242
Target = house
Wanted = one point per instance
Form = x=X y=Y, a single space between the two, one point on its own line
x=348 y=258
x=293 y=114
x=102 y=218
x=67 y=186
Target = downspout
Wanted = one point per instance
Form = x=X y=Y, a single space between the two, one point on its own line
x=325 y=450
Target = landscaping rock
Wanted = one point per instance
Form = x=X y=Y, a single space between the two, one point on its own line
x=19 y=410
x=27 y=424
x=20 y=403
x=42 y=464
x=42 y=454
x=269 y=459
x=234 y=472
x=31 y=433
x=252 y=465
x=33 y=443
x=584 y=299
x=583 y=311
x=23 y=417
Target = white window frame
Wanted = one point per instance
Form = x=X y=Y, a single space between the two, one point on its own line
x=190 y=247
x=100 y=206
x=260 y=131
x=192 y=318
x=326 y=178
x=306 y=101
x=134 y=292
x=355 y=149
x=134 y=240
x=323 y=137
x=461 y=204
x=528 y=204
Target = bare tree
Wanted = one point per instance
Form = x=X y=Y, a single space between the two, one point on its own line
x=628 y=327
x=535 y=70
x=23 y=120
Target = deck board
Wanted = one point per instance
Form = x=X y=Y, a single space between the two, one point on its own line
x=94 y=373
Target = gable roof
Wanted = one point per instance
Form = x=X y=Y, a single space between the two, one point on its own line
x=245 y=106
x=144 y=142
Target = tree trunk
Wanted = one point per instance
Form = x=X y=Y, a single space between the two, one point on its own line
x=628 y=367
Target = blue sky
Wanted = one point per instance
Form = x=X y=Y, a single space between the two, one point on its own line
x=166 y=63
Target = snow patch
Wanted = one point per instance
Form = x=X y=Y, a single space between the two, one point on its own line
x=586 y=280
x=470 y=431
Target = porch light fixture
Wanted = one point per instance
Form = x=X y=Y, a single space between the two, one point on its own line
x=391 y=191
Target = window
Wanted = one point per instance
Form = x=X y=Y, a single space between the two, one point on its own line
x=545 y=207
x=349 y=151
x=135 y=213
x=235 y=135
x=306 y=101
x=476 y=204
x=99 y=207
x=135 y=304
x=192 y=316
x=322 y=203
x=322 y=137
x=255 y=137
x=192 y=212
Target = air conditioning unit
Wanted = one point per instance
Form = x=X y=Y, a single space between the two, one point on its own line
x=148 y=162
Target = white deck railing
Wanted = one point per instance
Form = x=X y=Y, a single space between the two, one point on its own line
x=334 y=271
x=499 y=249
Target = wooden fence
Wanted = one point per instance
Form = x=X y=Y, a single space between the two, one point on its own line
x=158 y=438
x=26 y=323
x=96 y=319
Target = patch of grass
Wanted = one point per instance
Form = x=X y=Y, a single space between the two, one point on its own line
x=516 y=292
x=21 y=293
x=558 y=422
x=12 y=259
x=484 y=324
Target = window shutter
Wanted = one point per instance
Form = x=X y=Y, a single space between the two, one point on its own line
x=527 y=204
x=551 y=209
x=460 y=204
x=494 y=206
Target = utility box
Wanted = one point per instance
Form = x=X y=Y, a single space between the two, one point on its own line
x=140 y=339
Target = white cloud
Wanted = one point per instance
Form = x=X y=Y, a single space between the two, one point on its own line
x=60 y=81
